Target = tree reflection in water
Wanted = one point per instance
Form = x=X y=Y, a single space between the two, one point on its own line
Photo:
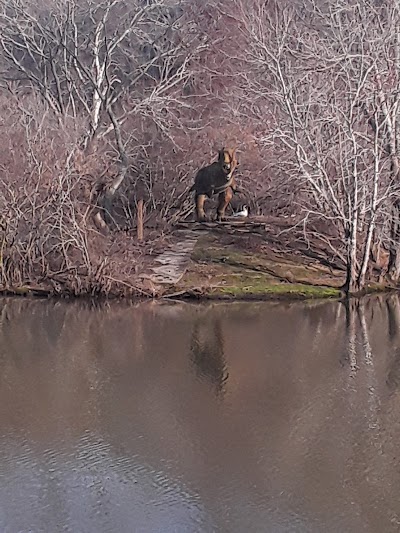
x=207 y=352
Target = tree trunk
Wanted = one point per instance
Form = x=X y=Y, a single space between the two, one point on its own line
x=105 y=214
x=371 y=225
x=394 y=252
x=140 y=220
x=350 y=285
x=366 y=255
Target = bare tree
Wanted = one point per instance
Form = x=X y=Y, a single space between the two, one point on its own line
x=92 y=90
x=110 y=66
x=319 y=68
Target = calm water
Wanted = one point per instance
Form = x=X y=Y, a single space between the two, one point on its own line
x=243 y=417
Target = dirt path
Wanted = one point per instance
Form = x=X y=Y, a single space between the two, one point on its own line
x=173 y=262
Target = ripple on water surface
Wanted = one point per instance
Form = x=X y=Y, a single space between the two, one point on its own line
x=163 y=418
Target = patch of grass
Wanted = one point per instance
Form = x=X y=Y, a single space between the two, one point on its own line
x=224 y=272
x=282 y=290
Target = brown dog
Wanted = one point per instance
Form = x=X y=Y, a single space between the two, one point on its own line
x=216 y=178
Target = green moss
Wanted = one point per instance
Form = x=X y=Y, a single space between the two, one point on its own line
x=293 y=290
x=224 y=271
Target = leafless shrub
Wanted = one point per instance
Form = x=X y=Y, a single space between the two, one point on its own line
x=105 y=104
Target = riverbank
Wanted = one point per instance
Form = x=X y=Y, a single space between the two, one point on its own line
x=251 y=260
x=236 y=266
x=230 y=262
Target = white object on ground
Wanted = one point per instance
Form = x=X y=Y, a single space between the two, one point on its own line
x=244 y=212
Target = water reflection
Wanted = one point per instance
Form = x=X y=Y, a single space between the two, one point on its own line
x=363 y=318
x=207 y=351
x=181 y=417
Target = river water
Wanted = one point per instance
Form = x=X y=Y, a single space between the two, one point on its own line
x=239 y=417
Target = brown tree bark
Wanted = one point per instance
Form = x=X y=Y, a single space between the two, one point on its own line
x=140 y=220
